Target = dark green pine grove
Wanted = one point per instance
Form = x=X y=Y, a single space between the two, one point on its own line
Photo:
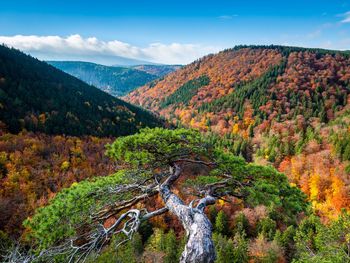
x=38 y=97
x=185 y=93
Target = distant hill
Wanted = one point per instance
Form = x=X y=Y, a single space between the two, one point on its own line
x=117 y=81
x=38 y=97
x=117 y=61
x=283 y=106
x=158 y=70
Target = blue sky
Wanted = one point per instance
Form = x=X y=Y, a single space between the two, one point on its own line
x=168 y=31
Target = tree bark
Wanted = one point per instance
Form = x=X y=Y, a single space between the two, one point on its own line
x=199 y=247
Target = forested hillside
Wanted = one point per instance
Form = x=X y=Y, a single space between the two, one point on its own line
x=283 y=106
x=117 y=81
x=38 y=97
x=40 y=106
x=34 y=167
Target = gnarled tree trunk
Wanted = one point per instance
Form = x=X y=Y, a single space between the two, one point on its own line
x=199 y=247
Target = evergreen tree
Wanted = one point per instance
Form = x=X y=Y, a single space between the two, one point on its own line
x=221 y=223
x=267 y=227
x=170 y=247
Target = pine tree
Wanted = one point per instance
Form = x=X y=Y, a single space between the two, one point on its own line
x=221 y=223
x=156 y=241
x=267 y=227
x=346 y=154
x=240 y=252
x=170 y=247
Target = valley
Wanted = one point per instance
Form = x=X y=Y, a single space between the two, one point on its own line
x=115 y=80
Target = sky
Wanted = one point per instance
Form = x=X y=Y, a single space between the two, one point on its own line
x=167 y=31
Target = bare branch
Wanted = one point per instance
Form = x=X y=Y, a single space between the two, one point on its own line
x=115 y=208
x=155 y=213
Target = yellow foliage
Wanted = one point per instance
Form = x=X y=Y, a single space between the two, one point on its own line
x=192 y=122
x=235 y=128
x=221 y=202
x=65 y=165
x=314 y=182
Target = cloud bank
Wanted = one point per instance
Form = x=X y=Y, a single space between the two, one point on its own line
x=92 y=49
x=346 y=17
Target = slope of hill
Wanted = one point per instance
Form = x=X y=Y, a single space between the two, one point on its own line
x=35 y=166
x=39 y=106
x=116 y=81
x=38 y=97
x=158 y=70
x=273 y=105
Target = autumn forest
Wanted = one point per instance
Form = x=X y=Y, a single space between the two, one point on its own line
x=239 y=156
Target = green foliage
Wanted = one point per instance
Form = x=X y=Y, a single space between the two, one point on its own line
x=286 y=50
x=234 y=143
x=341 y=142
x=156 y=240
x=321 y=243
x=265 y=185
x=212 y=213
x=202 y=180
x=267 y=227
x=157 y=146
x=38 y=97
x=185 y=93
x=129 y=252
x=231 y=251
x=255 y=91
x=285 y=240
x=241 y=225
x=71 y=208
x=166 y=243
x=145 y=230
x=272 y=188
x=170 y=248
x=347 y=169
x=221 y=223
x=181 y=246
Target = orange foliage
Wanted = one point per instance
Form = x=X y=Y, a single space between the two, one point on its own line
x=33 y=167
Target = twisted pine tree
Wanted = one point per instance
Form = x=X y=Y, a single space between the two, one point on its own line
x=72 y=227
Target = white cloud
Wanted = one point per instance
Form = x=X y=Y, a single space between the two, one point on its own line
x=227 y=17
x=346 y=17
x=93 y=49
